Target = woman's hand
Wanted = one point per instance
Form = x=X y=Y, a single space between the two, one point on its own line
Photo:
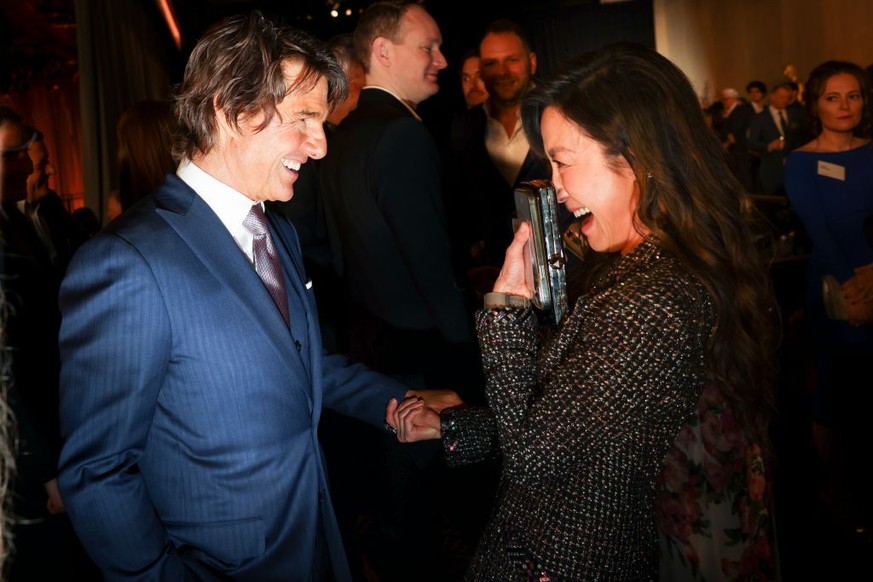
x=413 y=420
x=513 y=276
x=860 y=313
x=858 y=291
x=859 y=287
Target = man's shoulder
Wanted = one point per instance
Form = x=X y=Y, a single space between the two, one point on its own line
x=761 y=117
x=366 y=129
x=142 y=218
x=742 y=110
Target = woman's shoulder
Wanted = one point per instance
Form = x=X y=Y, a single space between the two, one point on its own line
x=859 y=146
x=652 y=276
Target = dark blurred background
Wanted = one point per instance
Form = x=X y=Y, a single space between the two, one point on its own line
x=70 y=67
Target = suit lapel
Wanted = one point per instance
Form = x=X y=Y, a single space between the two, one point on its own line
x=196 y=223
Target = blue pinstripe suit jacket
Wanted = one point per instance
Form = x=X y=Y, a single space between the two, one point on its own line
x=188 y=415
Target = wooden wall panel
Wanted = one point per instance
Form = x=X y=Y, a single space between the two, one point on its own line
x=725 y=44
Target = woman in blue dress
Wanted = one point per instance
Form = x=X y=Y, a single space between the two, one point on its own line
x=830 y=184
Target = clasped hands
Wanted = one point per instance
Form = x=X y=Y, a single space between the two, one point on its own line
x=417 y=417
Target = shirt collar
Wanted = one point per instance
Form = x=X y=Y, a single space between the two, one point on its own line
x=393 y=94
x=229 y=204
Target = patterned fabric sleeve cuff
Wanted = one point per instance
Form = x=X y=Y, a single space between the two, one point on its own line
x=505 y=329
x=469 y=435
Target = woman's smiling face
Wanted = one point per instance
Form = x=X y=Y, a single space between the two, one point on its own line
x=601 y=191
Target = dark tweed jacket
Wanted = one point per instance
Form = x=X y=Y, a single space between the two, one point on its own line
x=583 y=421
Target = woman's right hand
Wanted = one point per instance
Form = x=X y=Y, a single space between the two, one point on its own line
x=512 y=279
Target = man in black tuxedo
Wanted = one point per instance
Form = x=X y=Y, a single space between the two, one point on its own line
x=384 y=210
x=383 y=202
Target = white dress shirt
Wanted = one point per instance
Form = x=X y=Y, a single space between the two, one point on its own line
x=507 y=151
x=230 y=205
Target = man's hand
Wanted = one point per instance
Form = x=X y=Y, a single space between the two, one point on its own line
x=412 y=420
x=54 y=504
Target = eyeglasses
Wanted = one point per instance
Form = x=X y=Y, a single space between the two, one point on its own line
x=11 y=152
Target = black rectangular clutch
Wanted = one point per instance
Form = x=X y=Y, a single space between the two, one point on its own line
x=536 y=202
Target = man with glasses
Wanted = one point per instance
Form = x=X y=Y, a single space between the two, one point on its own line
x=30 y=324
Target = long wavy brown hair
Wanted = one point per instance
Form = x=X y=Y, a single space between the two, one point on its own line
x=639 y=106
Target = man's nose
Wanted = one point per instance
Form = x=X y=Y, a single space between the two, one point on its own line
x=316 y=144
x=439 y=59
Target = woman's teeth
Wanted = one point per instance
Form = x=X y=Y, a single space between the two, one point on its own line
x=291 y=165
x=581 y=212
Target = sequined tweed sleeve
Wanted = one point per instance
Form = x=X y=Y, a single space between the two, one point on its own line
x=469 y=435
x=629 y=356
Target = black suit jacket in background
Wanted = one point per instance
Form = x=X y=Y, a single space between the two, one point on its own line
x=382 y=193
x=762 y=131
x=744 y=162
x=480 y=202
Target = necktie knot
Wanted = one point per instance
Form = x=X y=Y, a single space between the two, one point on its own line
x=256 y=221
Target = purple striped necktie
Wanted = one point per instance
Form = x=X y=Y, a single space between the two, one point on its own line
x=266 y=259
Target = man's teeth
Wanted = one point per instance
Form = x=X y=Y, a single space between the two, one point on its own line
x=291 y=165
x=581 y=212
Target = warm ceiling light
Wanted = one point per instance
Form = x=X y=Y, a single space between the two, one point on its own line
x=334 y=13
x=166 y=7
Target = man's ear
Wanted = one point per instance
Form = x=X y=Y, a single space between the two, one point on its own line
x=533 y=63
x=224 y=125
x=382 y=50
x=221 y=120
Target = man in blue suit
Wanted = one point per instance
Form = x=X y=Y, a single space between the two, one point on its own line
x=773 y=133
x=190 y=395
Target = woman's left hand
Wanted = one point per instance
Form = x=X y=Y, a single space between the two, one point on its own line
x=859 y=287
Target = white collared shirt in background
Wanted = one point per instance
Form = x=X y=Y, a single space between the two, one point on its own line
x=507 y=151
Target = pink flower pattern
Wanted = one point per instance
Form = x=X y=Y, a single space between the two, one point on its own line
x=713 y=490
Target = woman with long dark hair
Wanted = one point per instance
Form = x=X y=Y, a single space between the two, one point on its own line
x=584 y=416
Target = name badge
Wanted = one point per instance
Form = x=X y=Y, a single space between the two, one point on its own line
x=834 y=171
